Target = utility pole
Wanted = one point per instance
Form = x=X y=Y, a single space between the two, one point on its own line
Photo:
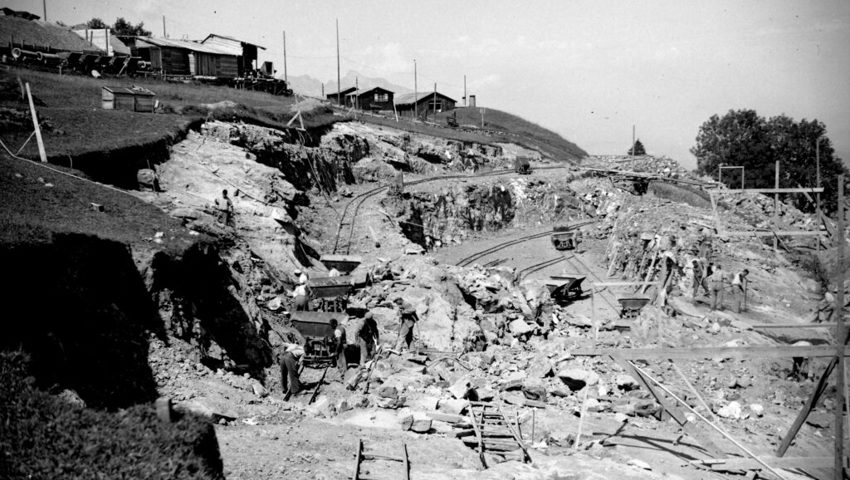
x=164 y=35
x=415 y=93
x=776 y=209
x=464 y=90
x=356 y=91
x=633 y=140
x=839 y=340
x=435 y=102
x=817 y=195
x=338 y=80
x=44 y=7
x=285 y=77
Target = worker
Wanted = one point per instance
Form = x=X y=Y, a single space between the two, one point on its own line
x=367 y=338
x=225 y=209
x=407 y=321
x=697 y=269
x=301 y=276
x=301 y=298
x=739 y=289
x=715 y=286
x=289 y=363
x=338 y=342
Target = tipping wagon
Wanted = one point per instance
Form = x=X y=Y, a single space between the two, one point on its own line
x=331 y=292
x=565 y=240
x=522 y=165
x=316 y=329
x=565 y=288
x=630 y=307
x=344 y=263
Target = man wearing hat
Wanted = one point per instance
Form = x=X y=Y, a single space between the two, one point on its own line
x=367 y=338
x=408 y=320
x=289 y=380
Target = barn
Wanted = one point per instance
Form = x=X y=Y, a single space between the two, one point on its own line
x=375 y=99
x=182 y=57
x=347 y=93
x=245 y=52
x=422 y=102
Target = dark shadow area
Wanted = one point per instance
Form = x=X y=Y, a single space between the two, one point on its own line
x=79 y=308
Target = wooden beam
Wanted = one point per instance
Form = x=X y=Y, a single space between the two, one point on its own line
x=772 y=190
x=761 y=326
x=776 y=462
x=623 y=284
x=784 y=233
x=754 y=351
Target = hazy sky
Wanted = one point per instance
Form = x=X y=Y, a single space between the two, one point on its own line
x=586 y=69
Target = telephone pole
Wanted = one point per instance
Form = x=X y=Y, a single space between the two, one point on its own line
x=633 y=140
x=285 y=77
x=464 y=90
x=44 y=7
x=338 y=78
x=164 y=35
x=435 y=102
x=415 y=93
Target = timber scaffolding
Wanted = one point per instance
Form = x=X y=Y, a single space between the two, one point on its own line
x=668 y=401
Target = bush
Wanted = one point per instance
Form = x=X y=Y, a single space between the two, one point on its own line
x=44 y=437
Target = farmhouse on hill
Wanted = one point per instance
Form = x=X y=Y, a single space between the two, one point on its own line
x=182 y=57
x=423 y=102
x=245 y=52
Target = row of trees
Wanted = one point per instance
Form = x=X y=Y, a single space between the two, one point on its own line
x=743 y=138
x=121 y=27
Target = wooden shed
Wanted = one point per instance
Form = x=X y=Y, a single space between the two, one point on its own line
x=347 y=98
x=136 y=99
x=245 y=52
x=423 y=102
x=181 y=57
x=375 y=99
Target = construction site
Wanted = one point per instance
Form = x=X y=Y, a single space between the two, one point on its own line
x=259 y=290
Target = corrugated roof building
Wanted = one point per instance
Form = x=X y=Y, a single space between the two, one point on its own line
x=245 y=52
x=184 y=57
x=423 y=102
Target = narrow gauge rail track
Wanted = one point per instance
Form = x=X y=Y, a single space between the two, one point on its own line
x=357 y=201
x=540 y=266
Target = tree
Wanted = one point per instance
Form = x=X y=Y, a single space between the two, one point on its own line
x=96 y=23
x=637 y=149
x=743 y=138
x=123 y=27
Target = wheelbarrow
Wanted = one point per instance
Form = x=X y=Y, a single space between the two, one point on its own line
x=630 y=307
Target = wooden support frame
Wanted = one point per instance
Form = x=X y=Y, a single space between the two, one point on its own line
x=773 y=190
x=666 y=406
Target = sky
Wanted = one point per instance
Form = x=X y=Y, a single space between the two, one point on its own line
x=589 y=70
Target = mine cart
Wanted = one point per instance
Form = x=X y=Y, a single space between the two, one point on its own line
x=522 y=165
x=315 y=327
x=630 y=307
x=565 y=288
x=331 y=292
x=344 y=263
x=565 y=240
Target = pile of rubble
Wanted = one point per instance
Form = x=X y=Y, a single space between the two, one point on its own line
x=661 y=166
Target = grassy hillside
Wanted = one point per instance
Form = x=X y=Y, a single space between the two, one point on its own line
x=78 y=125
x=546 y=140
x=499 y=127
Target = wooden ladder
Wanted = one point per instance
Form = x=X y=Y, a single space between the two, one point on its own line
x=495 y=434
x=364 y=456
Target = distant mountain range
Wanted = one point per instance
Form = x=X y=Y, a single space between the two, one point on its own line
x=310 y=86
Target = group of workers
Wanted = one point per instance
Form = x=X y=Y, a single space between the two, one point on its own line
x=713 y=280
x=367 y=336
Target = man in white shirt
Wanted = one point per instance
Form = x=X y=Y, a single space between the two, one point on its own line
x=739 y=287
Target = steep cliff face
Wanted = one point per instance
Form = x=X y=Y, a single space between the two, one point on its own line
x=459 y=211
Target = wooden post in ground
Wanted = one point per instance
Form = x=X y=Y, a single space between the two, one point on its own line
x=776 y=209
x=839 y=336
x=41 y=152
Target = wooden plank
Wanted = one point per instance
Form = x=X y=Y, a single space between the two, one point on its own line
x=665 y=404
x=760 y=326
x=740 y=463
x=623 y=284
x=783 y=233
x=755 y=351
x=359 y=459
x=773 y=190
